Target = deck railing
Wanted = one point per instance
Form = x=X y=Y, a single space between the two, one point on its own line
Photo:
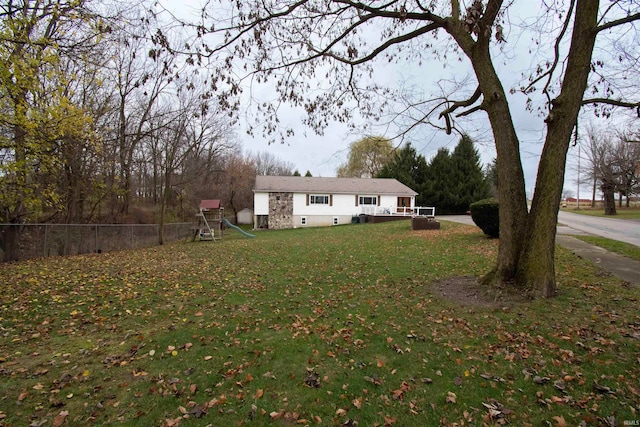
x=399 y=210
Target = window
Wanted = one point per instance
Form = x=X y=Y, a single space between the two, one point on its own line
x=336 y=221
x=318 y=200
x=303 y=220
x=368 y=200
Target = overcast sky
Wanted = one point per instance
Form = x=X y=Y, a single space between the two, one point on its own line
x=321 y=155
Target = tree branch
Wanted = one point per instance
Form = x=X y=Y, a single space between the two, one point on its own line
x=556 y=57
x=621 y=21
x=384 y=46
x=614 y=102
x=458 y=104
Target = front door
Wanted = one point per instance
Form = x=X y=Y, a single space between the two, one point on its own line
x=404 y=205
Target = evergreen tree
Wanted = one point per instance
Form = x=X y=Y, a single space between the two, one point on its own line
x=308 y=174
x=437 y=190
x=491 y=176
x=408 y=167
x=455 y=180
x=468 y=183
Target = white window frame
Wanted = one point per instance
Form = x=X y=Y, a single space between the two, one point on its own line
x=303 y=220
x=314 y=199
x=374 y=200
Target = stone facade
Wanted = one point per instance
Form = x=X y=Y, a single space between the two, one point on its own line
x=280 y=211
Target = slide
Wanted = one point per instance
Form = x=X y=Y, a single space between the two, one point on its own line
x=228 y=224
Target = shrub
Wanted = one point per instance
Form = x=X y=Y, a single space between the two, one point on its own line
x=485 y=213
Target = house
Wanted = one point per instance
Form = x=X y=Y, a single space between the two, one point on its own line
x=292 y=201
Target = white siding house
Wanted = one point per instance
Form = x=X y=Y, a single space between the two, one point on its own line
x=291 y=201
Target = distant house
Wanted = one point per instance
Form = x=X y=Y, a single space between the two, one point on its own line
x=290 y=201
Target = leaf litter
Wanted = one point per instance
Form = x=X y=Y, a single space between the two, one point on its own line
x=196 y=339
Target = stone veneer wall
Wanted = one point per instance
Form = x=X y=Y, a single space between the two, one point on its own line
x=280 y=211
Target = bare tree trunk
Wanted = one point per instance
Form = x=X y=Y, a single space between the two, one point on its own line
x=536 y=271
x=511 y=192
x=608 y=191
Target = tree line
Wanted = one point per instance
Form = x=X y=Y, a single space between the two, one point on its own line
x=101 y=122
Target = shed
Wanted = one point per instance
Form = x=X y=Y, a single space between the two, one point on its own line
x=245 y=216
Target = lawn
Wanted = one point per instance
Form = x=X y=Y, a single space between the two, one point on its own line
x=326 y=326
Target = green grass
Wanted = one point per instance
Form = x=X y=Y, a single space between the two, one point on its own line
x=324 y=326
x=621 y=248
x=621 y=213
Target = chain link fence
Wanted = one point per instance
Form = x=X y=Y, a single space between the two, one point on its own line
x=45 y=240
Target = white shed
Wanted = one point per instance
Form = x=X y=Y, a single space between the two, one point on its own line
x=245 y=216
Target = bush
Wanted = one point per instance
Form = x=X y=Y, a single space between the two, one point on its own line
x=485 y=213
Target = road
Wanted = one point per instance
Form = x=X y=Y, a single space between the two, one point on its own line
x=627 y=231
x=569 y=223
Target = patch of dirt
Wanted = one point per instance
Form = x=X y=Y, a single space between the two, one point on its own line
x=466 y=290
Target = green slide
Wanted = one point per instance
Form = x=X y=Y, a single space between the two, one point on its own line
x=228 y=224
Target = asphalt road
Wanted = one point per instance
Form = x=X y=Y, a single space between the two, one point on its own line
x=615 y=229
x=569 y=223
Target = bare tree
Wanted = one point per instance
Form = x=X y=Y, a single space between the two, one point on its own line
x=269 y=164
x=612 y=165
x=627 y=157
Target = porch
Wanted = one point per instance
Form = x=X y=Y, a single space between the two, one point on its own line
x=398 y=211
x=379 y=214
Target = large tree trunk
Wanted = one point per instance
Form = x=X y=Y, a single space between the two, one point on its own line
x=536 y=272
x=511 y=190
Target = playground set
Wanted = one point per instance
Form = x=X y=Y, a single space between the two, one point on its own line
x=211 y=222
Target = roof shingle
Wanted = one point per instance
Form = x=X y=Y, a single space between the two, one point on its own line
x=303 y=184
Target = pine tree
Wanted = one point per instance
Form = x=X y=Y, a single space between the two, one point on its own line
x=468 y=183
x=408 y=167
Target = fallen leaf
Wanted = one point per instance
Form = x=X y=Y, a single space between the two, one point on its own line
x=60 y=418
x=389 y=420
x=560 y=422
x=358 y=402
x=451 y=397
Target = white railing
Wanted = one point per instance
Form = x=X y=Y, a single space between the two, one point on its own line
x=400 y=211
